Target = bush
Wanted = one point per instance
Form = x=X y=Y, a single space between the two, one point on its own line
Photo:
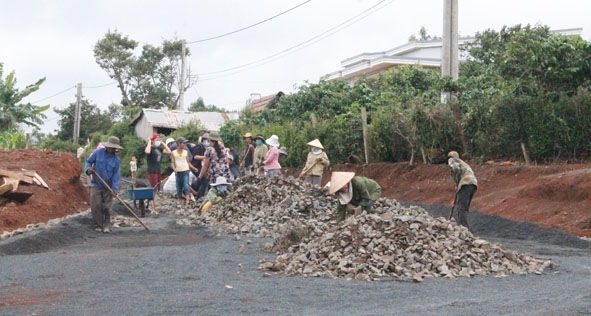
x=9 y=140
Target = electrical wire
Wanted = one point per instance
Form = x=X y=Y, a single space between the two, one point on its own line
x=54 y=95
x=247 y=27
x=295 y=48
x=100 y=86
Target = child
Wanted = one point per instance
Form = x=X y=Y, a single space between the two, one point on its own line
x=133 y=166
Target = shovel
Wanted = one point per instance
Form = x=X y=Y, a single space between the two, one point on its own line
x=305 y=171
x=453 y=207
x=120 y=200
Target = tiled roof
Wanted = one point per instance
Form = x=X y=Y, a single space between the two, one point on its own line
x=265 y=102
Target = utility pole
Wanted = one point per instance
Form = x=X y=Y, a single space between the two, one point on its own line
x=450 y=62
x=182 y=79
x=449 y=52
x=77 y=113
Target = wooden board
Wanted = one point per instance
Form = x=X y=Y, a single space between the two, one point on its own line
x=16 y=175
x=13 y=182
x=28 y=173
x=5 y=188
x=37 y=178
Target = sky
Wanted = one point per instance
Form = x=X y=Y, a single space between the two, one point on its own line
x=55 y=39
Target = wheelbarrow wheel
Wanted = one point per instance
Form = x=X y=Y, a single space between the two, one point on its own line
x=142 y=208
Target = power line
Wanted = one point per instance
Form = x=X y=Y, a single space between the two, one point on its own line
x=54 y=95
x=301 y=45
x=248 y=27
x=100 y=86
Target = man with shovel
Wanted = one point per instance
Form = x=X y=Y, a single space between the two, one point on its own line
x=105 y=163
x=466 y=185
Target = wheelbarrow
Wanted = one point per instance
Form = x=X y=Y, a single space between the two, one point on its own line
x=140 y=195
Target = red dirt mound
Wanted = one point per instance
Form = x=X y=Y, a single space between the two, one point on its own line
x=66 y=194
x=553 y=196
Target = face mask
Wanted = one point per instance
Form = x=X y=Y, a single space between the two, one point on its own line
x=157 y=143
x=316 y=151
x=223 y=190
x=259 y=142
x=206 y=144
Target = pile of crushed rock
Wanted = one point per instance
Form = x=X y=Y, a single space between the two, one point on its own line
x=393 y=241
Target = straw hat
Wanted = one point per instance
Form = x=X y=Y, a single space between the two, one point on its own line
x=316 y=143
x=260 y=136
x=113 y=142
x=247 y=135
x=339 y=180
x=219 y=181
x=273 y=141
x=453 y=154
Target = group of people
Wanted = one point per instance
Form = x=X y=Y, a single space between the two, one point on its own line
x=214 y=168
x=261 y=156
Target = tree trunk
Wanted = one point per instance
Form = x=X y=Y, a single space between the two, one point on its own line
x=423 y=154
x=525 y=154
x=455 y=107
x=412 y=156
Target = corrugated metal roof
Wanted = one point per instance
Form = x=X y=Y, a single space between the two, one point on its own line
x=176 y=119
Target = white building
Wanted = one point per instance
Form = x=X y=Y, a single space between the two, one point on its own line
x=424 y=53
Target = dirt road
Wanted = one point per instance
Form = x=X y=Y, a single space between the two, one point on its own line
x=172 y=270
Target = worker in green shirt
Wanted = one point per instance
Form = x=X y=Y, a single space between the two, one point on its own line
x=354 y=190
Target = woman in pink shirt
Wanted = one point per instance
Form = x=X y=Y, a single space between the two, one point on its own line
x=271 y=163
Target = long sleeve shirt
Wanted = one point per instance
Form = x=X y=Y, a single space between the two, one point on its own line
x=365 y=191
x=319 y=167
x=461 y=172
x=107 y=167
x=272 y=160
x=260 y=152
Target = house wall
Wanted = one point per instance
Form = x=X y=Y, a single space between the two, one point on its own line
x=143 y=129
x=430 y=52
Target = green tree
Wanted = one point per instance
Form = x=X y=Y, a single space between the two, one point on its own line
x=527 y=69
x=199 y=106
x=148 y=80
x=423 y=36
x=92 y=119
x=12 y=111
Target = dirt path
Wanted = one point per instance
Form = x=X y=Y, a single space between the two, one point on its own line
x=178 y=270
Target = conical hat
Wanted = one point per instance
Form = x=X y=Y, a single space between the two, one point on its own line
x=316 y=143
x=338 y=180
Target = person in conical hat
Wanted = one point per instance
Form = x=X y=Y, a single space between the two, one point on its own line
x=316 y=163
x=354 y=190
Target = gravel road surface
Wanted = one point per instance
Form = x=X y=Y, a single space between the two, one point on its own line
x=172 y=270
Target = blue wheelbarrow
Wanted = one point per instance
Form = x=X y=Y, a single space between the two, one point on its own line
x=140 y=195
